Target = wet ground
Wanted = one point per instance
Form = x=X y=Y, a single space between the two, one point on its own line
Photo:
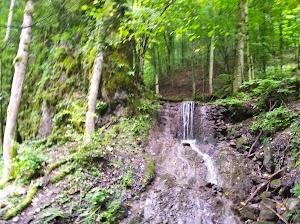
x=188 y=187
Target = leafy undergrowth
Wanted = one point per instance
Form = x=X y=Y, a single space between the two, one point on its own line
x=261 y=95
x=75 y=182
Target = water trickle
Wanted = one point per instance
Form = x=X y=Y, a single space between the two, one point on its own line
x=187 y=110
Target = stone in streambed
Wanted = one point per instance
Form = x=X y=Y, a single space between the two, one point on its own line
x=292 y=204
x=264 y=222
x=265 y=213
x=268 y=159
x=250 y=212
x=186 y=144
x=276 y=183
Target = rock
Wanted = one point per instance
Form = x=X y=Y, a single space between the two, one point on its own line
x=186 y=144
x=16 y=219
x=290 y=178
x=268 y=159
x=292 y=204
x=265 y=194
x=250 y=212
x=232 y=143
x=265 y=213
x=264 y=222
x=120 y=96
x=241 y=142
x=276 y=183
x=45 y=127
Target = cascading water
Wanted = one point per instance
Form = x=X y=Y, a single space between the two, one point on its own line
x=187 y=110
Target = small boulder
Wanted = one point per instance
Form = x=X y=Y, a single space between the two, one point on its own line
x=276 y=183
x=265 y=213
x=292 y=204
x=268 y=159
x=250 y=212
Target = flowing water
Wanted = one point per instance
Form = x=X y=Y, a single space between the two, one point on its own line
x=184 y=166
x=187 y=113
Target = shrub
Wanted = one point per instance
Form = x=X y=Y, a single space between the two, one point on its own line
x=297 y=189
x=128 y=178
x=273 y=121
x=271 y=91
x=27 y=164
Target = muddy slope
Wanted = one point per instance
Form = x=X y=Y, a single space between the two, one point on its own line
x=181 y=191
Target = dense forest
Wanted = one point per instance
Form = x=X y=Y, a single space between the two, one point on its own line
x=153 y=111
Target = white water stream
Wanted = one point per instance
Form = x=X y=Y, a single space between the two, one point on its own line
x=187 y=110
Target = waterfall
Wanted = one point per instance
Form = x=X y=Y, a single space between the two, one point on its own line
x=187 y=111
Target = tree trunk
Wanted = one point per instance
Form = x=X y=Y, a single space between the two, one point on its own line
x=92 y=98
x=281 y=43
x=16 y=90
x=240 y=46
x=1 y=103
x=193 y=75
x=211 y=64
x=9 y=20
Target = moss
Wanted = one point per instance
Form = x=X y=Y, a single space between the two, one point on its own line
x=62 y=173
x=23 y=204
x=55 y=165
x=149 y=172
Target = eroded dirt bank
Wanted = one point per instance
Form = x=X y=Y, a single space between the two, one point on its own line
x=181 y=191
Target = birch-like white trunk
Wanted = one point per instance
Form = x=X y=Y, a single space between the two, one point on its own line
x=211 y=63
x=239 y=70
x=16 y=90
x=156 y=84
x=9 y=20
x=92 y=98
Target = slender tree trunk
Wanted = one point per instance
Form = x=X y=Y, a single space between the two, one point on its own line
x=16 y=90
x=92 y=98
x=211 y=64
x=155 y=68
x=281 y=43
x=298 y=58
x=193 y=75
x=9 y=20
x=240 y=46
x=1 y=103
x=182 y=52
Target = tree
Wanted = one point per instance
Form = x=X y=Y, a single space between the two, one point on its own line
x=240 y=46
x=92 y=98
x=211 y=63
x=20 y=63
x=9 y=20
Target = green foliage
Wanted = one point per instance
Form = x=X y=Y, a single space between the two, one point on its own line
x=100 y=198
x=111 y=215
x=237 y=101
x=295 y=142
x=128 y=178
x=296 y=189
x=101 y=107
x=149 y=172
x=270 y=91
x=49 y=215
x=68 y=123
x=104 y=207
x=275 y=120
x=28 y=163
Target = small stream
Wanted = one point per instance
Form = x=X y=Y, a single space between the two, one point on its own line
x=185 y=167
